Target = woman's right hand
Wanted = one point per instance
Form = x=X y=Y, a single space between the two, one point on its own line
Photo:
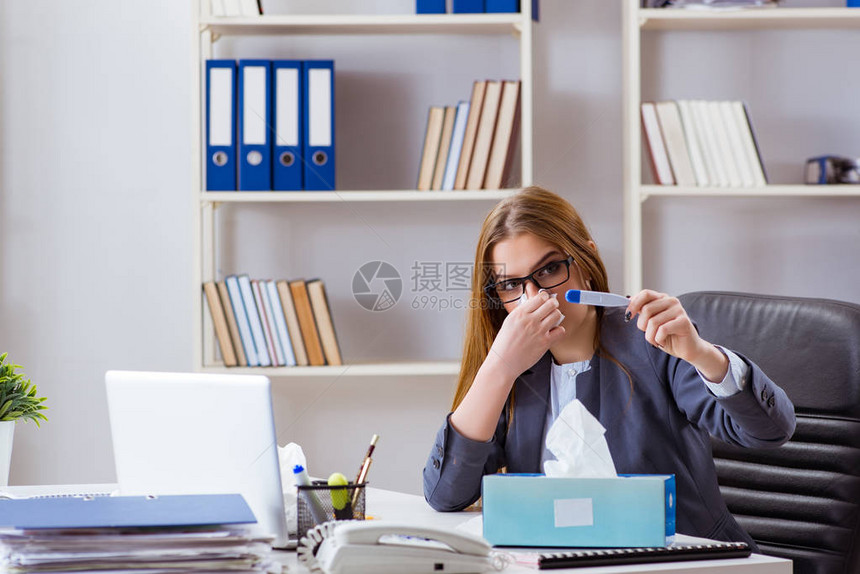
x=528 y=332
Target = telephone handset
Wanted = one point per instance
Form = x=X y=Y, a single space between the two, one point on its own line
x=380 y=547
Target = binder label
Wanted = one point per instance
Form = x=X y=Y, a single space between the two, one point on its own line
x=287 y=88
x=254 y=113
x=220 y=108
x=320 y=102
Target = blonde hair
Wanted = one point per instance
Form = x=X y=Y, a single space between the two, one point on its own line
x=543 y=214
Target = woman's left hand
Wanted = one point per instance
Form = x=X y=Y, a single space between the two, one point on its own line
x=666 y=325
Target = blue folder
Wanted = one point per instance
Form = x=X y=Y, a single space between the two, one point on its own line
x=506 y=6
x=503 y=6
x=125 y=511
x=318 y=137
x=468 y=6
x=220 y=125
x=429 y=6
x=254 y=111
x=287 y=96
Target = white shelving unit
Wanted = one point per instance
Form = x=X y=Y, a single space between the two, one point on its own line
x=208 y=30
x=403 y=369
x=641 y=20
x=350 y=196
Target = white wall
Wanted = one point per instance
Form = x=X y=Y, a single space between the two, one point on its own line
x=95 y=203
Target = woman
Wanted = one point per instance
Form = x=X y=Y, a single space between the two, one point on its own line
x=656 y=386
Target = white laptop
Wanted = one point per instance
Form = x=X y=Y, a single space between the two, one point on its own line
x=181 y=433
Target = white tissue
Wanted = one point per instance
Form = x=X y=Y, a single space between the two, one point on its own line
x=524 y=298
x=576 y=439
x=289 y=456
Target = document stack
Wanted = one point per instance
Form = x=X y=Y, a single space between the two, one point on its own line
x=147 y=534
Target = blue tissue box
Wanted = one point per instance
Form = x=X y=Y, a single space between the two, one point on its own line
x=635 y=510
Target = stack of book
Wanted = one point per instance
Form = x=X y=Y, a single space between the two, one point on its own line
x=271 y=323
x=702 y=144
x=472 y=145
x=188 y=533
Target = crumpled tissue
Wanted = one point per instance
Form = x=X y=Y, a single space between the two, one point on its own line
x=576 y=439
x=524 y=297
x=289 y=456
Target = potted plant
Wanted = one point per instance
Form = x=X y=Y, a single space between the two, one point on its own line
x=18 y=401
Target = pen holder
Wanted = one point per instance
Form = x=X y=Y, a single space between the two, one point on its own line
x=319 y=502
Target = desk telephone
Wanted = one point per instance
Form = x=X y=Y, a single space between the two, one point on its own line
x=380 y=547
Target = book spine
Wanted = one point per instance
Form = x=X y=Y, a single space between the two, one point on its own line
x=255 y=321
x=656 y=147
x=484 y=139
x=476 y=105
x=232 y=326
x=292 y=323
x=265 y=308
x=310 y=335
x=280 y=324
x=325 y=324
x=244 y=324
x=219 y=321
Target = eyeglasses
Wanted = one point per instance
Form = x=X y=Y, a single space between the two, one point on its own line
x=550 y=275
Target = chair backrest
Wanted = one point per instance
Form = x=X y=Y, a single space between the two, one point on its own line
x=802 y=500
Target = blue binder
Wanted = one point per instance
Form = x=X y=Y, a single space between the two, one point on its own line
x=287 y=96
x=220 y=125
x=429 y=6
x=468 y=6
x=318 y=136
x=126 y=511
x=255 y=117
x=503 y=6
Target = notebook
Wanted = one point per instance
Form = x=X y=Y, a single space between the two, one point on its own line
x=180 y=433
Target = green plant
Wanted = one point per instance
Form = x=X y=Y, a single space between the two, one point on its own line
x=18 y=398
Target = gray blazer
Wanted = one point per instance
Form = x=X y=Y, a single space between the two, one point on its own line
x=660 y=425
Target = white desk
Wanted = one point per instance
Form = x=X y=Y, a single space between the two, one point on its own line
x=388 y=505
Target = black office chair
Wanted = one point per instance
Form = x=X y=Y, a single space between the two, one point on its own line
x=802 y=500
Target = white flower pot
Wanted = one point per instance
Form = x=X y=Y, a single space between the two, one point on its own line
x=7 y=431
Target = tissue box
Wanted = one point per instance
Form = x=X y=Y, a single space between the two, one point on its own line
x=636 y=510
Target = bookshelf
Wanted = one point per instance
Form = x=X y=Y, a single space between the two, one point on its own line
x=350 y=196
x=208 y=30
x=639 y=21
x=400 y=369
x=774 y=18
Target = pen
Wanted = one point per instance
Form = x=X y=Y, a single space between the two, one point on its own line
x=597 y=298
x=365 y=466
x=318 y=513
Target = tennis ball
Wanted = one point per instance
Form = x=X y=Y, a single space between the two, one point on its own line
x=339 y=496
